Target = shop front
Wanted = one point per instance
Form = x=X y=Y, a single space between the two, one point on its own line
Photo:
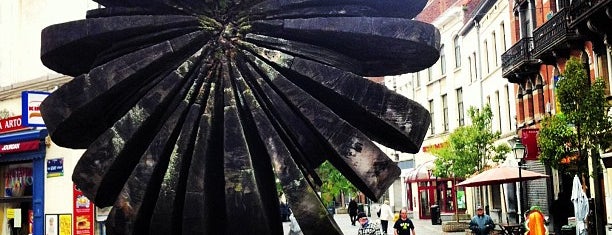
x=22 y=156
x=433 y=191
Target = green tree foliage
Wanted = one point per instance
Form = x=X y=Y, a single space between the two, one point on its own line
x=555 y=139
x=468 y=149
x=584 y=124
x=334 y=183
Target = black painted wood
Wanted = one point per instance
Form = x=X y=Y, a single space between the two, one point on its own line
x=191 y=111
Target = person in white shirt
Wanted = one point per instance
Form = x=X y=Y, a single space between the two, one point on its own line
x=386 y=215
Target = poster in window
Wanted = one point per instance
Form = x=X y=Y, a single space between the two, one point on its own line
x=65 y=224
x=51 y=223
x=461 y=199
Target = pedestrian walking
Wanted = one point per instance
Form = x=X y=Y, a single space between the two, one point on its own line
x=386 y=215
x=366 y=227
x=403 y=225
x=352 y=209
x=481 y=224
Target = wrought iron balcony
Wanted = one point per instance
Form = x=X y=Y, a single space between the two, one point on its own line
x=517 y=57
x=586 y=9
x=553 y=36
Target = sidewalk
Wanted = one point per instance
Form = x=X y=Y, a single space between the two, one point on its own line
x=421 y=226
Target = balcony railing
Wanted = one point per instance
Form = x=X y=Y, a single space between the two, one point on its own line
x=517 y=56
x=583 y=9
x=552 y=34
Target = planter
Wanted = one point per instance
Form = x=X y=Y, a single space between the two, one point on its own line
x=454 y=226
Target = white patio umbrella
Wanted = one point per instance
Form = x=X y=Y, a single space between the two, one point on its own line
x=581 y=206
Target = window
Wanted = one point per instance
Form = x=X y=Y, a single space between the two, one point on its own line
x=471 y=71
x=485 y=52
x=474 y=65
x=495 y=190
x=498 y=110
x=526 y=16
x=494 y=41
x=561 y=4
x=503 y=36
x=507 y=91
x=418 y=80
x=457 y=51
x=429 y=75
x=445 y=112
x=442 y=61
x=460 y=112
x=432 y=129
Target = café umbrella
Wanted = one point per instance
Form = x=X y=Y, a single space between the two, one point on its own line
x=500 y=175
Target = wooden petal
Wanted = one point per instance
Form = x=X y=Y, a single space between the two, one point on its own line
x=316 y=8
x=110 y=159
x=305 y=203
x=385 y=46
x=355 y=156
x=70 y=48
x=385 y=116
x=79 y=111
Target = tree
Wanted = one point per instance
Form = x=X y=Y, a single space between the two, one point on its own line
x=469 y=149
x=583 y=125
x=335 y=183
x=566 y=141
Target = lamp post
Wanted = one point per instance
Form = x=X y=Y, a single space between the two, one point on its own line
x=519 y=153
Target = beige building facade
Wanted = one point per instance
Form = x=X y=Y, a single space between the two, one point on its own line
x=38 y=196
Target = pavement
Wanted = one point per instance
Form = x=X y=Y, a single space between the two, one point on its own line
x=420 y=226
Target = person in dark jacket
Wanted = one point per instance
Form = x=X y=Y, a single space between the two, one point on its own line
x=352 y=209
x=481 y=224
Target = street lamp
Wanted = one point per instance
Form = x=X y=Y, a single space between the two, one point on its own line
x=519 y=153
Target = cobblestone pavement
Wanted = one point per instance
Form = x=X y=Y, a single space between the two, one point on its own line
x=422 y=227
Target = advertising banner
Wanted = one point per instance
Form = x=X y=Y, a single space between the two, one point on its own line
x=11 y=124
x=19 y=147
x=30 y=108
x=529 y=138
x=83 y=213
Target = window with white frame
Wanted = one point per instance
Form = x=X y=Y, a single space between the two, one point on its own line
x=460 y=112
x=442 y=61
x=457 y=51
x=432 y=129
x=445 y=112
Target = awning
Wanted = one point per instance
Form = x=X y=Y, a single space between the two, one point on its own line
x=23 y=145
x=422 y=173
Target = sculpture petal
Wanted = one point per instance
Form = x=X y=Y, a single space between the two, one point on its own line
x=195 y=108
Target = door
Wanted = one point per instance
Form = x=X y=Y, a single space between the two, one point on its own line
x=426 y=199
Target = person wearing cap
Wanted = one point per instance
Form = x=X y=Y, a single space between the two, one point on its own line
x=367 y=228
x=481 y=224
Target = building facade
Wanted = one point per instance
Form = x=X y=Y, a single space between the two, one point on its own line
x=468 y=74
x=545 y=35
x=39 y=196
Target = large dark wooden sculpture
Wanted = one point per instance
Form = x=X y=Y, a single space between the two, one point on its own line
x=189 y=109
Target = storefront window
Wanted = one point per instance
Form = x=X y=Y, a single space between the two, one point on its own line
x=16 y=198
x=461 y=205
